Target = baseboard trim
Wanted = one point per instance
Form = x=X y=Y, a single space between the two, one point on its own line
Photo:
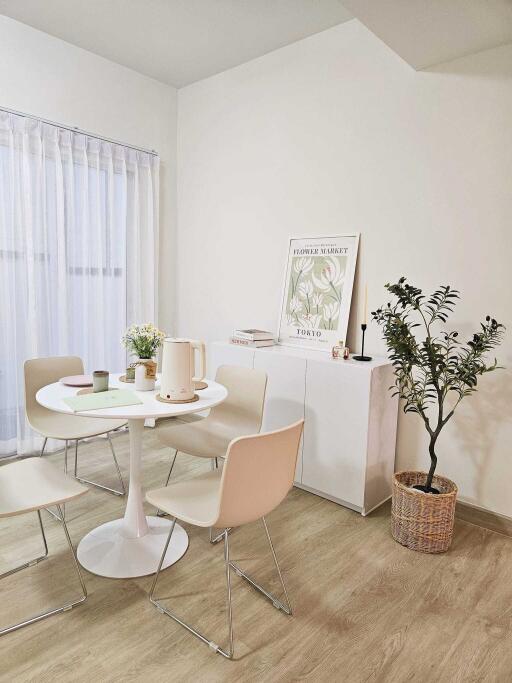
x=484 y=518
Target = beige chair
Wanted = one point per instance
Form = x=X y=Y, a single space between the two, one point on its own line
x=28 y=486
x=42 y=371
x=240 y=414
x=257 y=475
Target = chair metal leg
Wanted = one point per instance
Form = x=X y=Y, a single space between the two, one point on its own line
x=172 y=465
x=36 y=560
x=116 y=492
x=75 y=472
x=44 y=446
x=51 y=512
x=214 y=465
x=220 y=536
x=160 y=513
x=275 y=601
x=56 y=610
x=163 y=610
x=231 y=649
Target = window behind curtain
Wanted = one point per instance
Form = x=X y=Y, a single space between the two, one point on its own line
x=78 y=230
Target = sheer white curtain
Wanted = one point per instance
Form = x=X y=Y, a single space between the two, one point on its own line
x=78 y=245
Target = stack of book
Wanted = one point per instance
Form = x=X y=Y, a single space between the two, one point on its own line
x=255 y=338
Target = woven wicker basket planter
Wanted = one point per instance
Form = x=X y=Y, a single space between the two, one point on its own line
x=423 y=521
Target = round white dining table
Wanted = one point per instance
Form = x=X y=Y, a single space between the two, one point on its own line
x=132 y=546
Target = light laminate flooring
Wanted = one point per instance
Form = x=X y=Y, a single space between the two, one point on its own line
x=365 y=608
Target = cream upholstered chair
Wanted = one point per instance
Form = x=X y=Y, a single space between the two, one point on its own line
x=42 y=371
x=27 y=486
x=240 y=414
x=257 y=475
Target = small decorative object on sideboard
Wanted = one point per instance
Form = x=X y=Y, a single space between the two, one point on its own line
x=361 y=356
x=252 y=337
x=363 y=328
x=144 y=342
x=338 y=350
x=432 y=376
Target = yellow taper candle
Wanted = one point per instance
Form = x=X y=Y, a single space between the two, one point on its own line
x=365 y=316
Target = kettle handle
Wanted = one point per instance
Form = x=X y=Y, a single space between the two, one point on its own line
x=200 y=347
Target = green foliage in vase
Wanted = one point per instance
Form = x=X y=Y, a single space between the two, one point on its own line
x=434 y=371
x=143 y=340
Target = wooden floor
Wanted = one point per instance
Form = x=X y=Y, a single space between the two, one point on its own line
x=366 y=609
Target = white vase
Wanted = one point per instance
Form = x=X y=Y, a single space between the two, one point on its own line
x=145 y=374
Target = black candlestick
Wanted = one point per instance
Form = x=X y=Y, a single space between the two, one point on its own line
x=362 y=356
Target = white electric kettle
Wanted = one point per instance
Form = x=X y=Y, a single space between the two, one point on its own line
x=177 y=380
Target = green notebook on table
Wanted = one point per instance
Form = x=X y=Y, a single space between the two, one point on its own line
x=102 y=399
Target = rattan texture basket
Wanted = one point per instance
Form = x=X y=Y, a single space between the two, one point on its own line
x=423 y=521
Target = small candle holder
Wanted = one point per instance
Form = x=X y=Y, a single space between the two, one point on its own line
x=362 y=356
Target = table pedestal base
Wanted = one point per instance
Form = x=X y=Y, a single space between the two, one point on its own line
x=107 y=551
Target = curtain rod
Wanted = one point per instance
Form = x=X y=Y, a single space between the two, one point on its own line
x=75 y=129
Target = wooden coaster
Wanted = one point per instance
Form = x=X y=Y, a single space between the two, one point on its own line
x=200 y=385
x=168 y=400
x=88 y=390
x=127 y=381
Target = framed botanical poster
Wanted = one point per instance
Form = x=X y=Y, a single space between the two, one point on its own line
x=317 y=291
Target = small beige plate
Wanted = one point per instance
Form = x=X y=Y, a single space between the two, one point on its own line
x=127 y=381
x=168 y=400
x=200 y=385
x=90 y=391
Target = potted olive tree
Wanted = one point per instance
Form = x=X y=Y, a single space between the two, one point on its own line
x=434 y=371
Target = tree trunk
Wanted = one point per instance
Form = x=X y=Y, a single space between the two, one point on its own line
x=433 y=460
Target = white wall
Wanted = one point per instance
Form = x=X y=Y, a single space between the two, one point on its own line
x=47 y=77
x=336 y=133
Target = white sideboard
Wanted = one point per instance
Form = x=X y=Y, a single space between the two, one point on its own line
x=348 y=449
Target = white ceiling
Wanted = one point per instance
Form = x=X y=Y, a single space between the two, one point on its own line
x=178 y=41
x=428 y=32
x=182 y=41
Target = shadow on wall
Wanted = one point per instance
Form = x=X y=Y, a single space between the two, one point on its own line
x=411 y=443
x=478 y=424
x=473 y=432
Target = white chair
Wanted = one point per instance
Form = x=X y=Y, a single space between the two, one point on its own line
x=42 y=371
x=240 y=414
x=28 y=486
x=258 y=473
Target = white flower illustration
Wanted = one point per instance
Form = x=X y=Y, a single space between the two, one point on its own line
x=317 y=300
x=331 y=277
x=331 y=312
x=303 y=265
x=293 y=312
x=295 y=305
x=312 y=320
x=306 y=289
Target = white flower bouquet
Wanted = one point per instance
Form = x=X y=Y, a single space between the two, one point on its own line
x=143 y=340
